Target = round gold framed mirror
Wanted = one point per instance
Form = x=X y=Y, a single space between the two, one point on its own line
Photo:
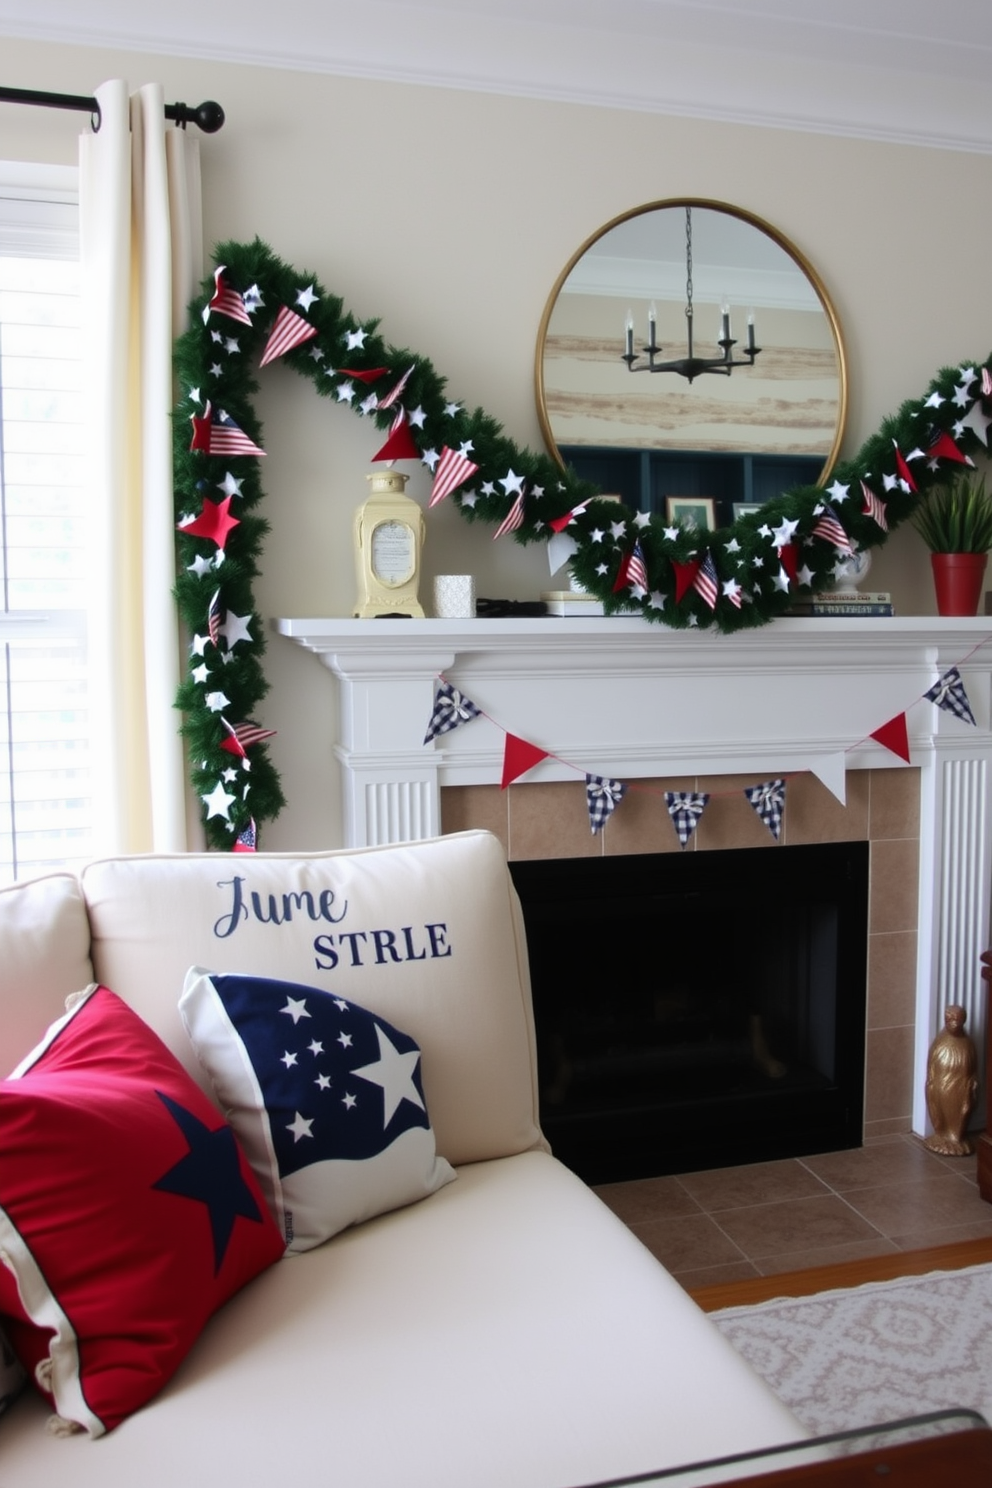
x=728 y=438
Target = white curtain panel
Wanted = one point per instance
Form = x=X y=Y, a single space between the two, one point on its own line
x=141 y=249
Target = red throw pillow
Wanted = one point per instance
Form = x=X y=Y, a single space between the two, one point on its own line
x=128 y=1213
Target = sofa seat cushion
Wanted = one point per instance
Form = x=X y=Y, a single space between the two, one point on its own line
x=428 y=936
x=128 y=1213
x=509 y=1330
x=326 y=1100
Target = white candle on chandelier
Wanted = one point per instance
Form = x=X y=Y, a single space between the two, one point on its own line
x=652 y=326
x=750 y=330
x=628 y=327
x=725 y=321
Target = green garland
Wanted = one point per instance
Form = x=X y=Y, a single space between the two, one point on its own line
x=756 y=568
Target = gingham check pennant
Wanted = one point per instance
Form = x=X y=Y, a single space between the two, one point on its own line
x=950 y=695
x=685 y=808
x=451 y=708
x=602 y=798
x=768 y=800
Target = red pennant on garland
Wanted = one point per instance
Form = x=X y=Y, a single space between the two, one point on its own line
x=685 y=576
x=453 y=470
x=894 y=735
x=558 y=524
x=371 y=375
x=399 y=444
x=789 y=555
x=944 y=448
x=518 y=758
x=214 y=522
x=288 y=331
x=226 y=301
x=903 y=471
x=240 y=736
x=218 y=434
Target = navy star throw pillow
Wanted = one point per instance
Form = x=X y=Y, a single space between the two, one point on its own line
x=128 y=1213
x=326 y=1099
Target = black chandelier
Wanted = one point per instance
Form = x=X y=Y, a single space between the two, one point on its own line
x=690 y=366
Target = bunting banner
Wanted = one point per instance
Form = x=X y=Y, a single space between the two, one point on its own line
x=561 y=547
x=705 y=582
x=828 y=526
x=240 y=737
x=288 y=331
x=391 y=397
x=768 y=800
x=558 y=524
x=894 y=736
x=218 y=434
x=513 y=519
x=451 y=709
x=789 y=556
x=944 y=448
x=226 y=301
x=399 y=443
x=903 y=472
x=518 y=758
x=602 y=799
x=948 y=693
x=632 y=571
x=214 y=618
x=247 y=841
x=831 y=771
x=874 y=507
x=685 y=808
x=453 y=469
x=685 y=575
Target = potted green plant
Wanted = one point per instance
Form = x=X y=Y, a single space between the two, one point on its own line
x=955 y=522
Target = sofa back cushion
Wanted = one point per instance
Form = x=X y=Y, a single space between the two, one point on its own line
x=428 y=935
x=44 y=956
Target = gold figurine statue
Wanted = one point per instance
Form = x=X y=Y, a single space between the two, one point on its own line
x=952 y=1085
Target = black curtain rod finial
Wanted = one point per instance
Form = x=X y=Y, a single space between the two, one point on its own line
x=208 y=116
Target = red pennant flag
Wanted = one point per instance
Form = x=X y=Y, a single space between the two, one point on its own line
x=218 y=434
x=215 y=521
x=894 y=735
x=518 y=758
x=558 y=524
x=789 y=555
x=685 y=576
x=288 y=331
x=903 y=471
x=399 y=445
x=944 y=448
x=372 y=375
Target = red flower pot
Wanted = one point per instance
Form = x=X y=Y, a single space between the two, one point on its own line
x=958 y=579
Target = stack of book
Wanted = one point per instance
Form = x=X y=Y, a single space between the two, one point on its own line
x=845 y=602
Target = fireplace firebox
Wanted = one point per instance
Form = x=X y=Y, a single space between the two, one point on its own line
x=698 y=1010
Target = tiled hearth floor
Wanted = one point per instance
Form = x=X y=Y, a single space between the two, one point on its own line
x=763 y=1219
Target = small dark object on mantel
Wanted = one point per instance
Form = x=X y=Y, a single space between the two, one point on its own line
x=500 y=609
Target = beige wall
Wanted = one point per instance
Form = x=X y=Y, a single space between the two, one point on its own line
x=449 y=215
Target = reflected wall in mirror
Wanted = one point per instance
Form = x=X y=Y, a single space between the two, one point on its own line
x=738 y=438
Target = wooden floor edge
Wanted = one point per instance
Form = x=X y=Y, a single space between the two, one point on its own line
x=846 y=1274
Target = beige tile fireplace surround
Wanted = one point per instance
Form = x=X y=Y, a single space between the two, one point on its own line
x=679 y=710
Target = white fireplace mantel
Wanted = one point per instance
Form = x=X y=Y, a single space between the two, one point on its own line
x=619 y=697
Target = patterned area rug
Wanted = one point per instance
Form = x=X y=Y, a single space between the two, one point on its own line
x=873 y=1353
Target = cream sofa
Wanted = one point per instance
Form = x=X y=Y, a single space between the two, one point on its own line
x=508 y=1330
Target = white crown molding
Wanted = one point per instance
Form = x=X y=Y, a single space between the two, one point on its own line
x=900 y=71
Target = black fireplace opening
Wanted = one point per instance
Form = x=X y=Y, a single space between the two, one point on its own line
x=698 y=1010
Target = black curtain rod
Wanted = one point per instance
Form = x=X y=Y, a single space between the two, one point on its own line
x=207 y=116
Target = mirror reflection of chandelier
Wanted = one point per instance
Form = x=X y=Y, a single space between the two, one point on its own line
x=689 y=366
